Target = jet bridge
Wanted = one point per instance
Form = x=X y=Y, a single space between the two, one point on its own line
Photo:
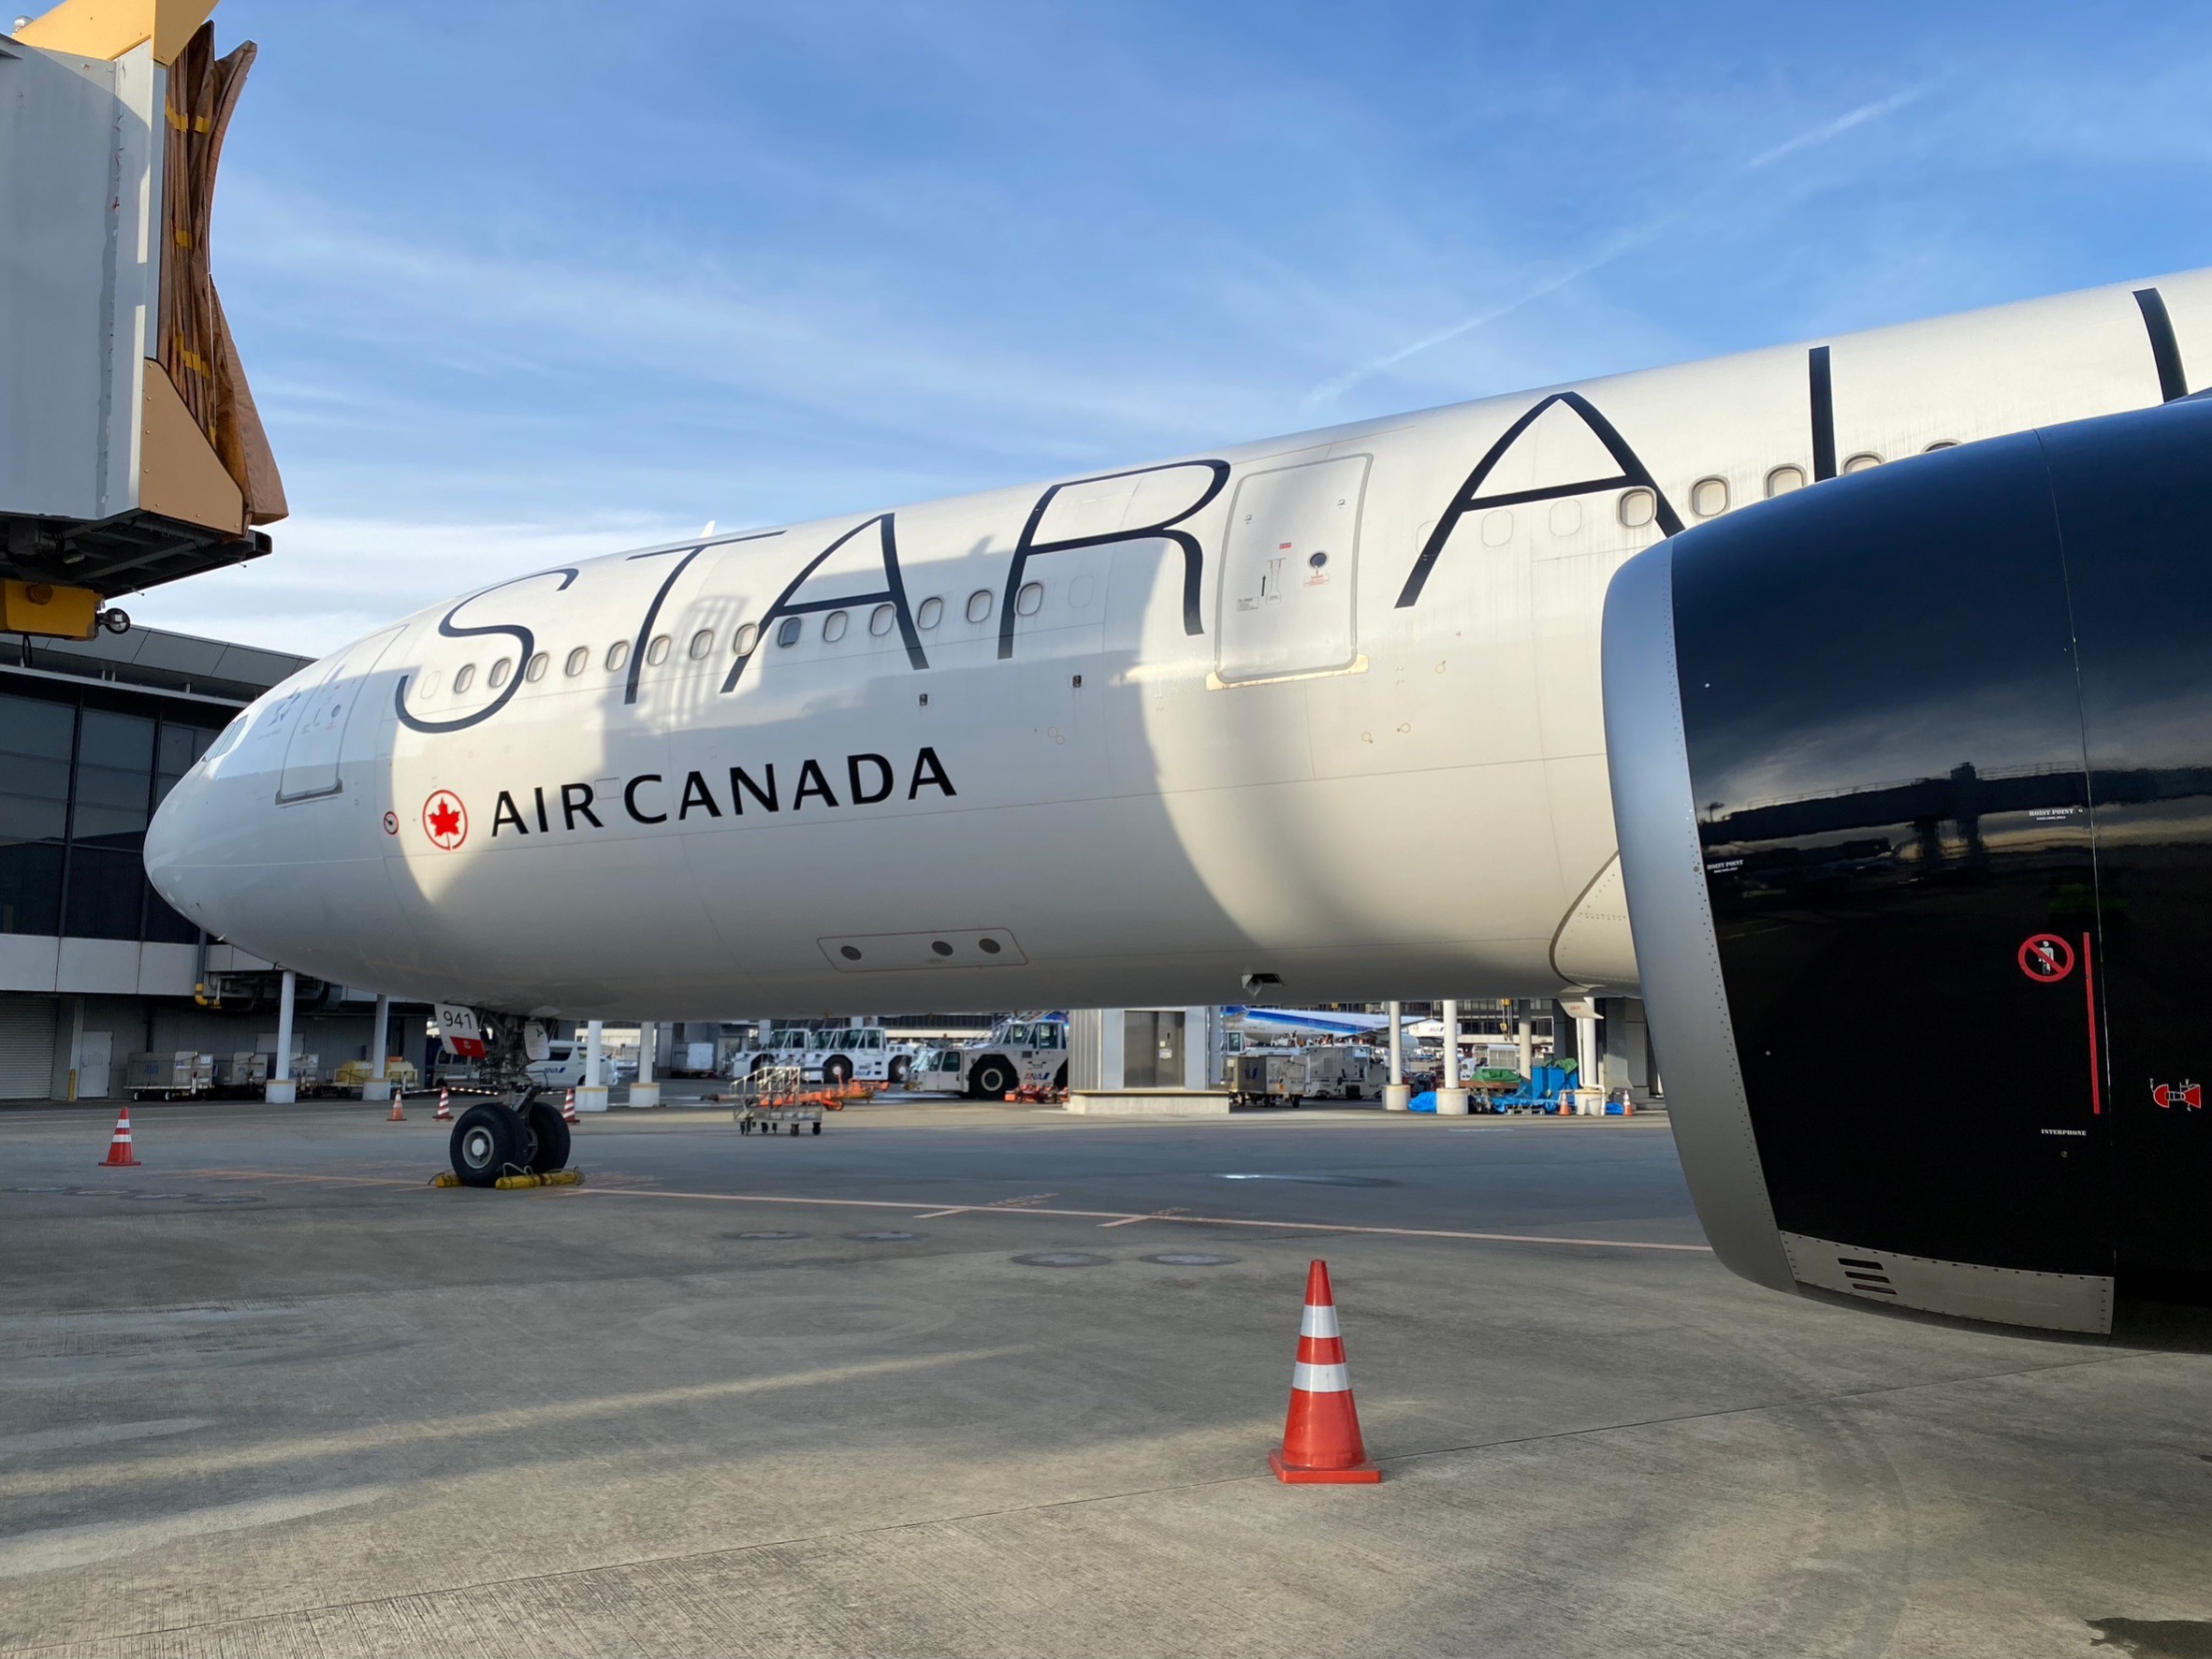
x=130 y=450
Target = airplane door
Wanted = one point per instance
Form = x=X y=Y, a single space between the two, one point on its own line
x=1287 y=572
x=318 y=729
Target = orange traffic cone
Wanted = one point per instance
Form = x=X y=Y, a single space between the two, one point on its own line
x=1321 y=1443
x=445 y=1112
x=399 y=1107
x=568 y=1109
x=120 y=1156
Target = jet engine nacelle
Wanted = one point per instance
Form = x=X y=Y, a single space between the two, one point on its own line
x=1912 y=775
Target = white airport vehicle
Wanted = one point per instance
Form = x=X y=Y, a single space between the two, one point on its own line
x=1027 y=1050
x=829 y=1055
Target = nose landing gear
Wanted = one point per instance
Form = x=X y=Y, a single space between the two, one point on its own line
x=493 y=1139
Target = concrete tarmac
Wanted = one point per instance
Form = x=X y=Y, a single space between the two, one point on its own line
x=956 y=1379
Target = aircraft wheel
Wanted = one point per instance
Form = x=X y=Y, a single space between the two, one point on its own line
x=548 y=1136
x=488 y=1142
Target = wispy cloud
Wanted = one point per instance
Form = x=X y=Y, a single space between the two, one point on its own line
x=1620 y=243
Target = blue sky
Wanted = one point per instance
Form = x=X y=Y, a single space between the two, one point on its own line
x=519 y=282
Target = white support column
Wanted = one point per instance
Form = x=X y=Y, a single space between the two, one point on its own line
x=1198 y=1047
x=378 y=1087
x=645 y=1092
x=1526 y=1038
x=281 y=1089
x=592 y=1095
x=1589 y=1066
x=1451 y=1099
x=1396 y=1095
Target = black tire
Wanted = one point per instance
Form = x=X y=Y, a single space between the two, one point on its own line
x=548 y=1135
x=795 y=1132
x=488 y=1142
x=897 y=1070
x=837 y=1070
x=992 y=1079
x=818 y=1129
x=759 y=1063
x=1060 y=1077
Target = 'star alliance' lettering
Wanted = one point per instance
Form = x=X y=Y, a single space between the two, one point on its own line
x=653 y=797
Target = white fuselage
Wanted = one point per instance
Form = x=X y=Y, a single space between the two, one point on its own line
x=1325 y=708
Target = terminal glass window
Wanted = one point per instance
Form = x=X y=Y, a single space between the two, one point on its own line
x=36 y=741
x=105 y=891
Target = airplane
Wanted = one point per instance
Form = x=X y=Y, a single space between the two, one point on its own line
x=1320 y=716
x=1312 y=1021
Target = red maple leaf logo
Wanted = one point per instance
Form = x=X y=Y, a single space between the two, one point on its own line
x=445 y=819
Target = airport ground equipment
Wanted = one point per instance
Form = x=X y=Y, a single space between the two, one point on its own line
x=829 y=1054
x=769 y=1120
x=134 y=454
x=1028 y=1051
x=170 y=1076
x=1322 y=1441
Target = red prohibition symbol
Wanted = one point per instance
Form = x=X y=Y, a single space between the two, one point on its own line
x=444 y=820
x=2047 y=959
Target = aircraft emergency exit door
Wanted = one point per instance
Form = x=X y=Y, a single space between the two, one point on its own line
x=1287 y=572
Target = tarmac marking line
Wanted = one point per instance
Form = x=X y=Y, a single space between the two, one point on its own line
x=1105 y=1217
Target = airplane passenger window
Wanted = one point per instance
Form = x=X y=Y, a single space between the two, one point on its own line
x=430 y=685
x=1566 y=517
x=1497 y=526
x=465 y=678
x=1865 y=462
x=617 y=655
x=657 y=653
x=577 y=659
x=1639 y=507
x=978 y=606
x=1080 y=591
x=499 y=671
x=1783 y=479
x=1708 y=497
x=536 y=671
x=702 y=642
x=931 y=613
x=881 y=619
x=833 y=627
x=1030 y=599
x=747 y=637
x=788 y=632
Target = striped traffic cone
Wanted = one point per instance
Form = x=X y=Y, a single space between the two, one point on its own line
x=1321 y=1443
x=568 y=1109
x=445 y=1112
x=399 y=1107
x=120 y=1156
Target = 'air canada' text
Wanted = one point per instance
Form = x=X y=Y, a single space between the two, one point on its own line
x=654 y=797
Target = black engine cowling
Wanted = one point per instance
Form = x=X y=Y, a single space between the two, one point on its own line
x=1913 y=777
